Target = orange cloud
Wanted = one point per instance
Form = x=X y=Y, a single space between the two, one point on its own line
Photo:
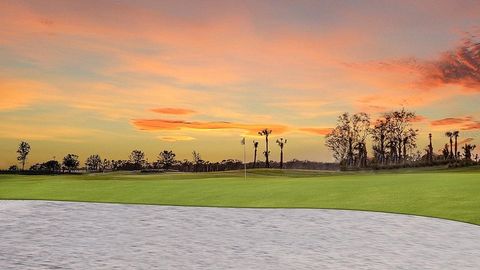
x=174 y=111
x=319 y=131
x=418 y=118
x=451 y=121
x=463 y=123
x=165 y=124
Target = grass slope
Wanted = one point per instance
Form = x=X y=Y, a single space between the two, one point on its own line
x=450 y=194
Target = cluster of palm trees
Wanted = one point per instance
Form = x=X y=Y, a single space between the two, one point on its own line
x=452 y=153
x=281 y=143
x=453 y=135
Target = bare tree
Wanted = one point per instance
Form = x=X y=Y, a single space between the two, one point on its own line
x=348 y=137
x=266 y=133
x=379 y=136
x=255 y=147
x=23 y=151
x=401 y=136
x=281 y=143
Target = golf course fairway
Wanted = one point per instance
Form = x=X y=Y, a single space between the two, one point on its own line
x=450 y=194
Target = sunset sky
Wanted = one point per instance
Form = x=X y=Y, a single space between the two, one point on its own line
x=108 y=77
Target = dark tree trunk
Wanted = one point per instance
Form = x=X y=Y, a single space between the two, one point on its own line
x=267 y=162
x=350 y=152
x=281 y=158
x=456 y=151
x=382 y=149
x=451 y=148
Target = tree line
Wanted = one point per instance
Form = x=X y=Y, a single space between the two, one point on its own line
x=166 y=160
x=392 y=136
x=394 y=142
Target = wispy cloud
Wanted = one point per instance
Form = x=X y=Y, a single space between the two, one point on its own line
x=458 y=66
x=463 y=123
x=318 y=131
x=173 y=111
x=167 y=124
x=176 y=138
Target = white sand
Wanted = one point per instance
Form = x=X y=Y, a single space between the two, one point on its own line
x=66 y=235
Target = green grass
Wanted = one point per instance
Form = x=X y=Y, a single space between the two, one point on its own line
x=449 y=194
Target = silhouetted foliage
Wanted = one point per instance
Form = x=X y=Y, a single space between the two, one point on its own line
x=430 y=148
x=23 y=151
x=255 y=147
x=449 y=134
x=93 y=163
x=70 y=162
x=281 y=143
x=266 y=132
x=455 y=134
x=197 y=161
x=347 y=140
x=445 y=152
x=137 y=158
x=166 y=159
x=468 y=148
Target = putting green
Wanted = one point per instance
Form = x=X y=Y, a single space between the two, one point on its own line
x=449 y=194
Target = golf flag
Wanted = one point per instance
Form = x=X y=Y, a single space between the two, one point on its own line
x=244 y=157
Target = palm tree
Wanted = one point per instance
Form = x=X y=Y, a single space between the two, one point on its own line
x=281 y=142
x=449 y=134
x=255 y=146
x=455 y=134
x=266 y=132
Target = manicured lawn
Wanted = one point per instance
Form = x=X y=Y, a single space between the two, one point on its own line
x=451 y=194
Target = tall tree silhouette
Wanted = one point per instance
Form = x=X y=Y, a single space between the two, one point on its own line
x=266 y=132
x=23 y=151
x=445 y=152
x=137 y=157
x=449 y=134
x=197 y=160
x=455 y=134
x=379 y=136
x=93 y=163
x=350 y=134
x=255 y=147
x=430 y=148
x=166 y=159
x=281 y=143
x=70 y=162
